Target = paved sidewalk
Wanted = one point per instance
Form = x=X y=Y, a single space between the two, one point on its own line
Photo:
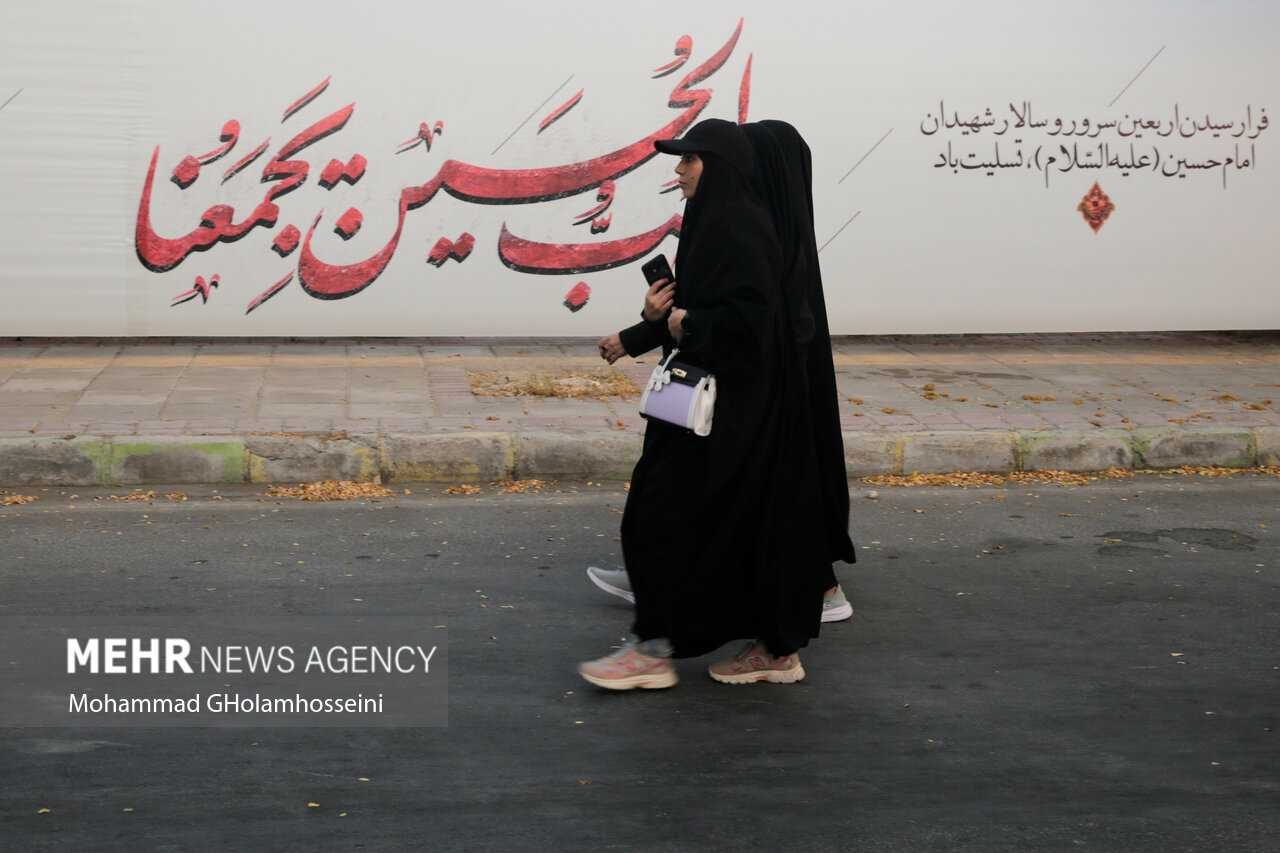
x=73 y=412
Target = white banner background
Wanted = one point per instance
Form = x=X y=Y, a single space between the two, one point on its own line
x=100 y=85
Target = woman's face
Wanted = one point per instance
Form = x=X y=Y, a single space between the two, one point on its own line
x=690 y=170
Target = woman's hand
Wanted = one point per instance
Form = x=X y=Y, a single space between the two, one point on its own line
x=675 y=323
x=611 y=348
x=658 y=300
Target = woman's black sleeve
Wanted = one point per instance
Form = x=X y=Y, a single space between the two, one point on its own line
x=644 y=336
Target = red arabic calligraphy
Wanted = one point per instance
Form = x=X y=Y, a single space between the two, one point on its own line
x=425 y=132
x=186 y=172
x=552 y=258
x=305 y=99
x=576 y=299
x=744 y=91
x=444 y=249
x=462 y=180
x=684 y=47
x=350 y=171
x=558 y=113
x=287 y=240
x=269 y=292
x=202 y=289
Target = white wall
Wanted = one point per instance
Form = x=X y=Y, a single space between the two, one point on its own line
x=103 y=84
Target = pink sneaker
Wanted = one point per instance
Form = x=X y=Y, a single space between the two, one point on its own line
x=754 y=663
x=627 y=669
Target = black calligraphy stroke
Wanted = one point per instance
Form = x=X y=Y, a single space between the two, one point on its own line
x=531 y=115
x=1141 y=71
x=11 y=97
x=865 y=156
x=837 y=234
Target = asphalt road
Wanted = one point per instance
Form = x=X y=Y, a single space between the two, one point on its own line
x=1028 y=669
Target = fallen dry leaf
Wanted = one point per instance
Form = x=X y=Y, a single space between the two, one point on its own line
x=966 y=479
x=176 y=496
x=1056 y=478
x=857 y=401
x=1227 y=398
x=136 y=495
x=888 y=410
x=1213 y=471
x=17 y=500
x=960 y=478
x=463 y=489
x=575 y=383
x=517 y=487
x=1038 y=398
x=330 y=490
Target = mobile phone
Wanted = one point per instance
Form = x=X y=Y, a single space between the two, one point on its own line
x=657 y=269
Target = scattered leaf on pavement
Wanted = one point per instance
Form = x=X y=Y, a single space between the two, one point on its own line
x=330 y=490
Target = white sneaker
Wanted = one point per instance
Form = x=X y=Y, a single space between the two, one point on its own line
x=613 y=581
x=835 y=607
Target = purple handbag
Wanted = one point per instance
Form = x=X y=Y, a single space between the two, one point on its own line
x=680 y=394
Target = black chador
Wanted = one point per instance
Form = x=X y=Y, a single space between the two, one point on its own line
x=724 y=537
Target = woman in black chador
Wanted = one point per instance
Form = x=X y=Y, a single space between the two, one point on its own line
x=784 y=179
x=784 y=182
x=725 y=537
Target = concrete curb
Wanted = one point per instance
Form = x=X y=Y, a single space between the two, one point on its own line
x=478 y=457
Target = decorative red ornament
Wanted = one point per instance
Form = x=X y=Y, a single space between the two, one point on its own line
x=1095 y=207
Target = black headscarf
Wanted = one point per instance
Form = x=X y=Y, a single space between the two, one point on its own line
x=784 y=179
x=724 y=191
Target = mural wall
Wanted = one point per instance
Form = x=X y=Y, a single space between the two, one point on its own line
x=488 y=168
